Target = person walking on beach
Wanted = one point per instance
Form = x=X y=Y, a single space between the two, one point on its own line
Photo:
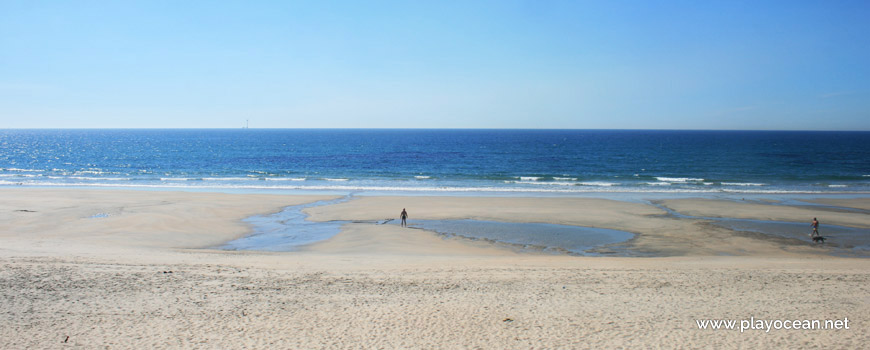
x=404 y=217
x=815 y=226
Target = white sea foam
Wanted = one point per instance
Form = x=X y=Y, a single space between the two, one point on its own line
x=24 y=170
x=742 y=184
x=565 y=178
x=658 y=183
x=229 y=179
x=285 y=179
x=92 y=172
x=456 y=189
x=422 y=177
x=529 y=178
x=679 y=179
x=768 y=191
x=563 y=183
x=330 y=179
x=594 y=183
x=546 y=183
x=88 y=178
x=838 y=186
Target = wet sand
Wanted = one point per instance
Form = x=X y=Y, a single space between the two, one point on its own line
x=757 y=211
x=138 y=277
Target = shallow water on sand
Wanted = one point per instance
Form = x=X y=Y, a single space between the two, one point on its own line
x=289 y=230
x=844 y=239
x=576 y=240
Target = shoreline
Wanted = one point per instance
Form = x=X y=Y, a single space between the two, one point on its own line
x=436 y=190
x=648 y=218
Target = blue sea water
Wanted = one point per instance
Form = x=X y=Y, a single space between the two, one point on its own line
x=537 y=161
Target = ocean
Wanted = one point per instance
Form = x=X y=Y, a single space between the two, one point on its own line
x=430 y=160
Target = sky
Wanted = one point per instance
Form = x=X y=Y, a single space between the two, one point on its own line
x=782 y=65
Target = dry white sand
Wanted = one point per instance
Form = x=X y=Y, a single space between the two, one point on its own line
x=104 y=282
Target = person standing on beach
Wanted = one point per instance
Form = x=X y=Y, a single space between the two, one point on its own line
x=815 y=226
x=404 y=217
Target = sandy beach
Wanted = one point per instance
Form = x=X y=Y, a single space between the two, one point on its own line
x=86 y=268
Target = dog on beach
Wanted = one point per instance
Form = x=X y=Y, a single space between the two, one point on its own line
x=818 y=239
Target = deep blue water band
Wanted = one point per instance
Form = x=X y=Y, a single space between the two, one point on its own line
x=442 y=160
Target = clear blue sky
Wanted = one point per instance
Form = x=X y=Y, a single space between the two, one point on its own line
x=436 y=64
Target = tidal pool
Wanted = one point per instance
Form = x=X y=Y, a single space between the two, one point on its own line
x=289 y=230
x=577 y=240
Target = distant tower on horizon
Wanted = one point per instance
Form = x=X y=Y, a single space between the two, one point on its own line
x=246 y=123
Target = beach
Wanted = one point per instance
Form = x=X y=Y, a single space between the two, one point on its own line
x=434 y=175
x=89 y=268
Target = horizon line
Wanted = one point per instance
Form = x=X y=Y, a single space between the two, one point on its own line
x=445 y=128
